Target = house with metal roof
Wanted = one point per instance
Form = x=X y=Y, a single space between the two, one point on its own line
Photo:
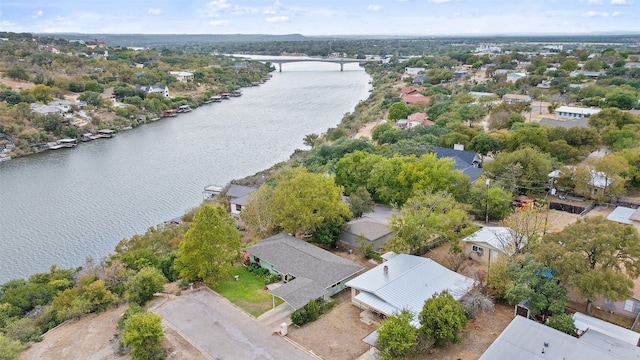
x=525 y=339
x=405 y=282
x=486 y=244
x=572 y=112
x=307 y=271
x=373 y=231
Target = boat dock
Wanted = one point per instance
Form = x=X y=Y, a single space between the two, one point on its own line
x=212 y=190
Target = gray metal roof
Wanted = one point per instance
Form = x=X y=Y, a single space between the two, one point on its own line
x=525 y=339
x=369 y=228
x=307 y=262
x=236 y=191
x=407 y=283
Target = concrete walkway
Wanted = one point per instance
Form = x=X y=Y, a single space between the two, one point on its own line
x=221 y=330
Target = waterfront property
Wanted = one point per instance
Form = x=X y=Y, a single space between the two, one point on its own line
x=307 y=271
x=237 y=195
x=184 y=109
x=64 y=143
x=106 y=133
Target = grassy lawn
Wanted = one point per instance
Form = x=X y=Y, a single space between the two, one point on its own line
x=248 y=292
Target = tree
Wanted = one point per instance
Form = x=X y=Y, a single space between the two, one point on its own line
x=210 y=245
x=41 y=93
x=499 y=201
x=442 y=319
x=526 y=226
x=9 y=349
x=592 y=65
x=258 y=212
x=143 y=332
x=532 y=281
x=18 y=72
x=595 y=257
x=398 y=110
x=360 y=202
x=424 y=219
x=563 y=322
x=622 y=99
x=142 y=286
x=612 y=118
x=484 y=144
x=601 y=178
x=525 y=169
x=397 y=338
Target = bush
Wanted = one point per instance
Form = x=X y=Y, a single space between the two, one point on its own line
x=271 y=278
x=299 y=317
x=312 y=310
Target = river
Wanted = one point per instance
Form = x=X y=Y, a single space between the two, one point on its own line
x=62 y=207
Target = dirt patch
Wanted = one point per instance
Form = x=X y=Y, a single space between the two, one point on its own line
x=365 y=131
x=92 y=338
x=16 y=85
x=337 y=335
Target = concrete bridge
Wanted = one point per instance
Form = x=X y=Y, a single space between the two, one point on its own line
x=340 y=61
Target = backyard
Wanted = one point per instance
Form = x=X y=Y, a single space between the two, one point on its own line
x=248 y=292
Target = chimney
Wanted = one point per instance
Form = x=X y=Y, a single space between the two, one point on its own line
x=385 y=270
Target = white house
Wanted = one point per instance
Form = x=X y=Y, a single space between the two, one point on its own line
x=182 y=75
x=413 y=71
x=405 y=282
x=237 y=195
x=514 y=98
x=513 y=77
x=572 y=112
x=486 y=244
x=159 y=89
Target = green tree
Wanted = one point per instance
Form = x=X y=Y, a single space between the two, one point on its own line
x=18 y=72
x=592 y=65
x=424 y=219
x=492 y=202
x=612 y=118
x=569 y=65
x=484 y=144
x=622 y=99
x=563 y=322
x=354 y=170
x=397 y=338
x=142 y=286
x=41 y=93
x=360 y=202
x=524 y=169
x=9 y=349
x=303 y=202
x=143 y=332
x=595 y=257
x=210 y=245
x=532 y=281
x=442 y=319
x=398 y=110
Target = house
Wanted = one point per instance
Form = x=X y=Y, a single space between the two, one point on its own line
x=375 y=232
x=486 y=244
x=585 y=323
x=513 y=77
x=525 y=339
x=43 y=110
x=515 y=98
x=108 y=95
x=544 y=84
x=237 y=195
x=480 y=94
x=405 y=282
x=411 y=90
x=415 y=99
x=624 y=215
x=564 y=123
x=159 y=89
x=466 y=161
x=413 y=71
x=572 y=112
x=308 y=272
x=419 y=79
x=598 y=182
x=418 y=119
x=588 y=74
x=183 y=76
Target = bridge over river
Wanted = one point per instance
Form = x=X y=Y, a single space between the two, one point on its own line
x=340 y=61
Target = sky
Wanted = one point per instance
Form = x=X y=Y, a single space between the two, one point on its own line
x=321 y=17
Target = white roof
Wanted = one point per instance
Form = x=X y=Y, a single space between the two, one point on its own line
x=585 y=322
x=577 y=110
x=409 y=281
x=525 y=339
x=497 y=237
x=621 y=214
x=598 y=178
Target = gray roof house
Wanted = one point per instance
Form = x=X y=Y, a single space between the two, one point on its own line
x=465 y=161
x=405 y=282
x=308 y=271
x=237 y=195
x=525 y=339
x=374 y=231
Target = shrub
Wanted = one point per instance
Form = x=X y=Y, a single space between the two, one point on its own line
x=271 y=278
x=312 y=310
x=299 y=317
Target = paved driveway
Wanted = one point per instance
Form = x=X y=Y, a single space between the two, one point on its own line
x=222 y=331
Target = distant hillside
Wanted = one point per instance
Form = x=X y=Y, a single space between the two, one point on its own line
x=151 y=40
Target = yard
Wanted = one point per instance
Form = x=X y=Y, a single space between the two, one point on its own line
x=248 y=292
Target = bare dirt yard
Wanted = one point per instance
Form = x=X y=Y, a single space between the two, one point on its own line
x=16 y=85
x=92 y=338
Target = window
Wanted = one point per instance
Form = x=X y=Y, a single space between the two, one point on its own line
x=477 y=249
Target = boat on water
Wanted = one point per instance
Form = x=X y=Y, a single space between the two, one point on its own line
x=215 y=98
x=4 y=158
x=184 y=109
x=64 y=143
x=225 y=96
x=212 y=190
x=170 y=113
x=106 y=133
x=237 y=93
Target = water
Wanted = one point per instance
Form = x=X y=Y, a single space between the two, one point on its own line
x=61 y=207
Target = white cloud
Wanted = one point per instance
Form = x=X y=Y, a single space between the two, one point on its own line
x=213 y=8
x=374 y=7
x=219 y=22
x=37 y=14
x=438 y=1
x=619 y=2
x=277 y=19
x=615 y=13
x=593 y=13
x=594 y=2
x=154 y=12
